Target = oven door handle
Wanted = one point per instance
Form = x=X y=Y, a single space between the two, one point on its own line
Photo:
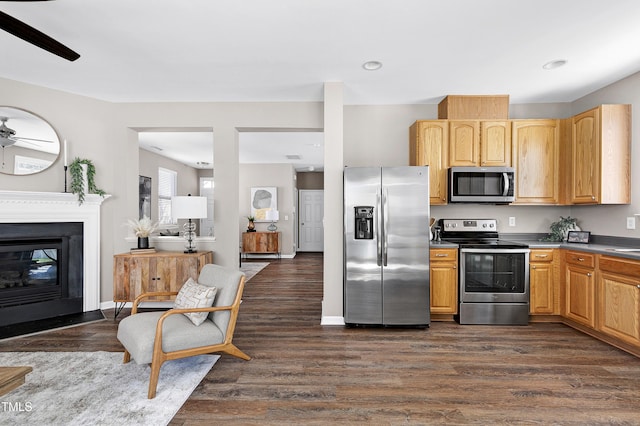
x=505 y=179
x=492 y=250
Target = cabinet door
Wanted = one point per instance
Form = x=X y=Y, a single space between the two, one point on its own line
x=464 y=143
x=580 y=295
x=495 y=143
x=585 y=159
x=444 y=287
x=429 y=147
x=619 y=306
x=541 y=288
x=535 y=158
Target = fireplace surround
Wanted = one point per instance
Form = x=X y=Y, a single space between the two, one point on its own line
x=22 y=207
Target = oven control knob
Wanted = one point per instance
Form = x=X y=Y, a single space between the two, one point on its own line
x=454 y=225
x=491 y=225
x=484 y=225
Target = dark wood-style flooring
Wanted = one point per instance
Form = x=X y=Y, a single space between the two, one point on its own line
x=304 y=373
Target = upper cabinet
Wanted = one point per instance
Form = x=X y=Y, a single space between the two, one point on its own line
x=429 y=146
x=479 y=143
x=464 y=143
x=585 y=159
x=601 y=156
x=536 y=161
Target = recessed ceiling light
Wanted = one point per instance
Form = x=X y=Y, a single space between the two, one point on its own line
x=551 y=65
x=372 y=65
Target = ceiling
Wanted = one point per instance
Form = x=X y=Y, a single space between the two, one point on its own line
x=284 y=50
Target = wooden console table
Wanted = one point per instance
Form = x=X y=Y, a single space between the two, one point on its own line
x=134 y=274
x=261 y=243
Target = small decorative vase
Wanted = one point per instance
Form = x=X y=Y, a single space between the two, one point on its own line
x=251 y=227
x=143 y=242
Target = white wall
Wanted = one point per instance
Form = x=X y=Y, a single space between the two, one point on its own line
x=278 y=175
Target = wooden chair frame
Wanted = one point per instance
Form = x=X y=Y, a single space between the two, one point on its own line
x=159 y=356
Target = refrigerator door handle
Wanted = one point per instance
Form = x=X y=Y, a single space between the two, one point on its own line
x=378 y=226
x=385 y=219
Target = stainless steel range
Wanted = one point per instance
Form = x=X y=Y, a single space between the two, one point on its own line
x=494 y=274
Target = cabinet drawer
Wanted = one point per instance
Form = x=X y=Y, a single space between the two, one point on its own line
x=541 y=255
x=620 y=265
x=442 y=254
x=580 y=258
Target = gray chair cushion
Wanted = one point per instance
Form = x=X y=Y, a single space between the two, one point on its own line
x=137 y=334
x=226 y=281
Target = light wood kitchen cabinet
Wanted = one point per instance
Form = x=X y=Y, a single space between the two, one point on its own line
x=464 y=143
x=580 y=287
x=443 y=279
x=544 y=292
x=479 y=143
x=619 y=298
x=495 y=143
x=601 y=156
x=134 y=274
x=429 y=146
x=536 y=161
x=261 y=243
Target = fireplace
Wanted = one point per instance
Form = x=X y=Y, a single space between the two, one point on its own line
x=40 y=271
x=77 y=229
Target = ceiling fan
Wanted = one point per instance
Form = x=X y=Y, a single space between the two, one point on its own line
x=8 y=135
x=35 y=37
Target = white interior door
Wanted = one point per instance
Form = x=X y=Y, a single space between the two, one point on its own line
x=311 y=210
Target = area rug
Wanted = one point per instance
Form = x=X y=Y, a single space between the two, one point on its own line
x=250 y=269
x=96 y=388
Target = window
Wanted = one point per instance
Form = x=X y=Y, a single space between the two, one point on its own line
x=167 y=183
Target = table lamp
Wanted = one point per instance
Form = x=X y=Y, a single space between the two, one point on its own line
x=189 y=208
x=273 y=216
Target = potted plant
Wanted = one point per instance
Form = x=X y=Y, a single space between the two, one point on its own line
x=77 y=179
x=251 y=227
x=142 y=228
x=561 y=228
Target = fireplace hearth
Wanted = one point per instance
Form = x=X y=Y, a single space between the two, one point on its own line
x=41 y=271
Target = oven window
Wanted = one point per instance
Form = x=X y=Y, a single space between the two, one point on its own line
x=494 y=273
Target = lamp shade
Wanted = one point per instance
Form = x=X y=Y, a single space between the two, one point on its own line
x=272 y=215
x=188 y=207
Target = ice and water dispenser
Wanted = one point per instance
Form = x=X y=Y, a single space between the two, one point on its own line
x=364 y=222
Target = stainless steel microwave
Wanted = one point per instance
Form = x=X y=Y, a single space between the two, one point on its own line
x=489 y=185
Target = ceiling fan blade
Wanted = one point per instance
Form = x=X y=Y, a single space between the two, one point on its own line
x=35 y=37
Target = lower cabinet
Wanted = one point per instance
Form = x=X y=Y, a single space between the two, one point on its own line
x=134 y=274
x=543 y=299
x=443 y=278
x=580 y=287
x=619 y=298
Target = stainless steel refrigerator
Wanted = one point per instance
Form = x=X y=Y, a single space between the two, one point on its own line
x=386 y=246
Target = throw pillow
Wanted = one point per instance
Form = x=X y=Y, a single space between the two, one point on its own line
x=195 y=295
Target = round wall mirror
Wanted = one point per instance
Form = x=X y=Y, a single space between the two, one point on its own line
x=29 y=143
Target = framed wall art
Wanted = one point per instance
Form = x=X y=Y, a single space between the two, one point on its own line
x=263 y=199
x=578 y=237
x=144 y=196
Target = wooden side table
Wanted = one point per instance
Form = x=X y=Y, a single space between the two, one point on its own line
x=134 y=274
x=261 y=243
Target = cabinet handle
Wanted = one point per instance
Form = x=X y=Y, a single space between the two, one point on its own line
x=455 y=267
x=588 y=274
x=638 y=286
x=593 y=197
x=442 y=255
x=533 y=267
x=581 y=259
x=541 y=255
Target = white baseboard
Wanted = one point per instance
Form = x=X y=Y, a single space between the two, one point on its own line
x=327 y=320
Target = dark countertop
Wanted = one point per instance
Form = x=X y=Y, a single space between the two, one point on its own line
x=592 y=248
x=608 y=249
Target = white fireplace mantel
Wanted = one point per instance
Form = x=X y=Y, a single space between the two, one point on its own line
x=38 y=207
